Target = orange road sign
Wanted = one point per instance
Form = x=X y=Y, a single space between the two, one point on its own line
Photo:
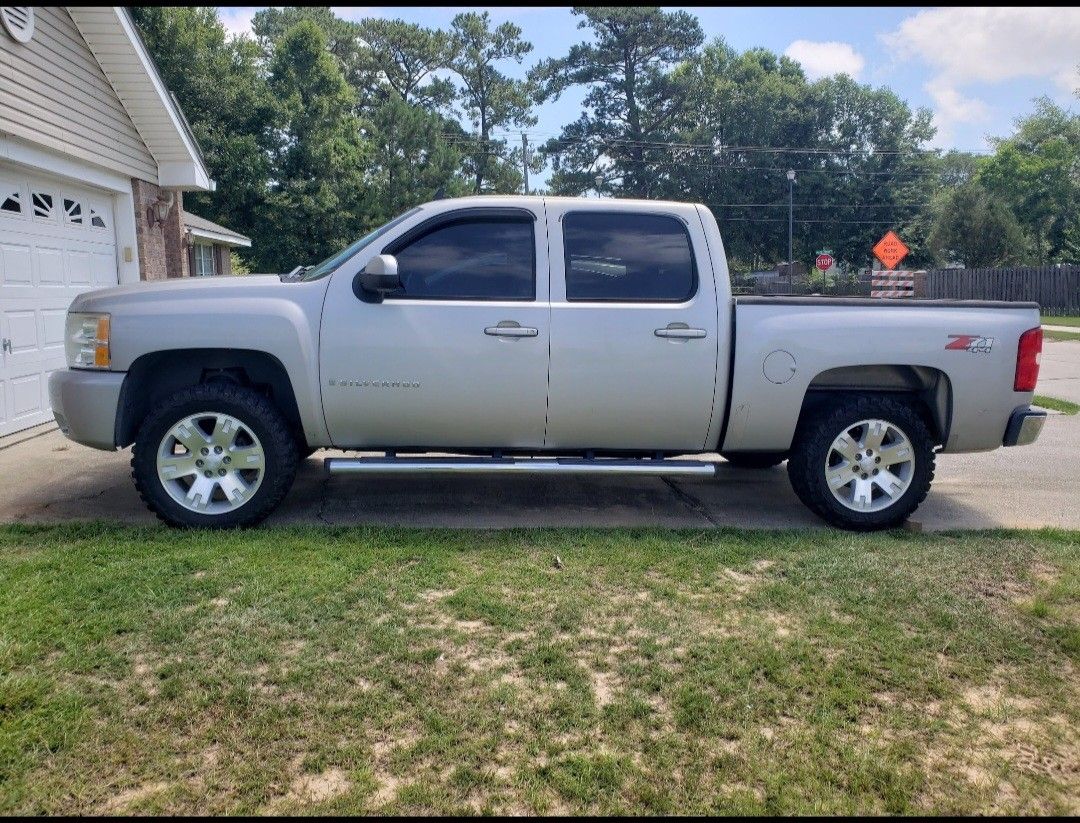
x=890 y=250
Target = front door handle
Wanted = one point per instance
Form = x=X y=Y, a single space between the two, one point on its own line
x=509 y=328
x=680 y=332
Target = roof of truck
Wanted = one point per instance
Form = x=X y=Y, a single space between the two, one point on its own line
x=535 y=198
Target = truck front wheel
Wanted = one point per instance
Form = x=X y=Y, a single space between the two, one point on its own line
x=863 y=464
x=215 y=455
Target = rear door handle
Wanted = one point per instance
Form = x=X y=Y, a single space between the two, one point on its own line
x=681 y=333
x=511 y=331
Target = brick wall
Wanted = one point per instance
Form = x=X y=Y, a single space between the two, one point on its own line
x=224 y=258
x=162 y=250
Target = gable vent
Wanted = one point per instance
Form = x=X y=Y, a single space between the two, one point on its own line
x=19 y=21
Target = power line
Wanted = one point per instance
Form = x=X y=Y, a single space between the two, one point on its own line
x=904 y=204
x=724 y=147
x=797 y=220
x=896 y=174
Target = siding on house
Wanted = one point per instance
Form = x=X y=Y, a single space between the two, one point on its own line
x=53 y=93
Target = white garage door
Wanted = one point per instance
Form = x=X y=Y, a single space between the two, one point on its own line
x=56 y=240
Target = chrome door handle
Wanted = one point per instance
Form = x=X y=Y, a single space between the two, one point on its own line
x=7 y=345
x=680 y=333
x=511 y=331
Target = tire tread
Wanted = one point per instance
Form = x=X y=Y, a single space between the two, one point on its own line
x=814 y=436
x=281 y=449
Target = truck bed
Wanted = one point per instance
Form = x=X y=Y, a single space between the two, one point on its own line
x=960 y=355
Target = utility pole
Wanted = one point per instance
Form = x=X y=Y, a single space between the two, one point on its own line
x=790 y=223
x=525 y=159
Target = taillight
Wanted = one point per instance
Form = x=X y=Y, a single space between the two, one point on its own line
x=1027 y=360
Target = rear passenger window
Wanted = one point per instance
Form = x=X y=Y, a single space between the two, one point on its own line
x=629 y=257
x=477 y=258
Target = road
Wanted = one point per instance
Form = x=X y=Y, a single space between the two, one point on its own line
x=46 y=478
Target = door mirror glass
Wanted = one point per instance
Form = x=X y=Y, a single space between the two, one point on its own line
x=380 y=276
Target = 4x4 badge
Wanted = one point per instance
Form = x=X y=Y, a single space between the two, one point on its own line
x=971 y=342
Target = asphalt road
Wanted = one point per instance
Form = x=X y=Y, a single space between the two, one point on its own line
x=46 y=478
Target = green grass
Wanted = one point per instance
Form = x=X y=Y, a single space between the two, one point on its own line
x=1063 y=406
x=1061 y=321
x=1049 y=334
x=406 y=671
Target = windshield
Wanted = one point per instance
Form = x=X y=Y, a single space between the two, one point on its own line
x=329 y=264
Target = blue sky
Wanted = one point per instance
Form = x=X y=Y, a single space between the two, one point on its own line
x=977 y=69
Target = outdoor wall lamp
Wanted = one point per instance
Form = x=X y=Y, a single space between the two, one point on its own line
x=159 y=210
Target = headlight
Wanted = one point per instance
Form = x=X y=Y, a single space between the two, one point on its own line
x=86 y=340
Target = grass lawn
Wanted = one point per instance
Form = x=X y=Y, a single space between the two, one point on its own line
x=1061 y=321
x=1049 y=334
x=368 y=669
x=1063 y=406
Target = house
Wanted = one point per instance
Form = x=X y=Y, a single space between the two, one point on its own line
x=95 y=156
x=210 y=245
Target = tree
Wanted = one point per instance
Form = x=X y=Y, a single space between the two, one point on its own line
x=404 y=55
x=743 y=102
x=856 y=152
x=221 y=90
x=975 y=229
x=342 y=37
x=315 y=204
x=490 y=98
x=1037 y=173
x=410 y=158
x=633 y=98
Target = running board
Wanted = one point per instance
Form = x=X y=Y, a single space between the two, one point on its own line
x=513 y=465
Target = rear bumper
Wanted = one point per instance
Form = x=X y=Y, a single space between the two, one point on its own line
x=1024 y=427
x=84 y=404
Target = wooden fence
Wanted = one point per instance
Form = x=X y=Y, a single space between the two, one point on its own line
x=1055 y=288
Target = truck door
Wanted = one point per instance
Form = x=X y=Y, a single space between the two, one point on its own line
x=457 y=358
x=633 y=328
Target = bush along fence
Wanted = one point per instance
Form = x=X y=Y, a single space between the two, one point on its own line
x=1055 y=288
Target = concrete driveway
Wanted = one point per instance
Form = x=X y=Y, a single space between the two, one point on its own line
x=46 y=478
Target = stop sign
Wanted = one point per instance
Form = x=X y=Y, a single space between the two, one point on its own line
x=824 y=262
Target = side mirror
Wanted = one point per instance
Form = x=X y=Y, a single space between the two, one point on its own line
x=378 y=277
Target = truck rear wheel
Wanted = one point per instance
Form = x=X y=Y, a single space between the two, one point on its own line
x=214 y=456
x=863 y=464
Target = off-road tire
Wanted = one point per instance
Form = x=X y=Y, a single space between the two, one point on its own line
x=754 y=460
x=250 y=407
x=814 y=437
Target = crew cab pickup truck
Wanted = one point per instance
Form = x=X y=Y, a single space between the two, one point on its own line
x=537 y=335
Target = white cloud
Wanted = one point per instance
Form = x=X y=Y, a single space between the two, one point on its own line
x=821 y=59
x=237 y=19
x=988 y=45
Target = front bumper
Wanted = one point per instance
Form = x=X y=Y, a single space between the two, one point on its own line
x=84 y=404
x=1024 y=427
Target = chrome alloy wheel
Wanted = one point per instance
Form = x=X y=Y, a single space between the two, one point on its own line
x=210 y=463
x=870 y=465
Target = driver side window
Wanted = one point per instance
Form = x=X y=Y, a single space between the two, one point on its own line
x=473 y=258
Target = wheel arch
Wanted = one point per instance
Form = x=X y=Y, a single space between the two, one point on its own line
x=929 y=387
x=154 y=376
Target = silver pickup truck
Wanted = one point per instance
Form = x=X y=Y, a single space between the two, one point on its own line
x=537 y=335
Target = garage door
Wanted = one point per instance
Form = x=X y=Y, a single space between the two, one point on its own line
x=56 y=240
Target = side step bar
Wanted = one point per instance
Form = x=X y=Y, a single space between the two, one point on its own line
x=514 y=465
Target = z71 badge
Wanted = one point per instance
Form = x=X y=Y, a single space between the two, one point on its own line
x=971 y=342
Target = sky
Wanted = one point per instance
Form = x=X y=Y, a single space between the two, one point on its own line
x=977 y=69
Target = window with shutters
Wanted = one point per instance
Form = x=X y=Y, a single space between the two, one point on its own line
x=204 y=260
